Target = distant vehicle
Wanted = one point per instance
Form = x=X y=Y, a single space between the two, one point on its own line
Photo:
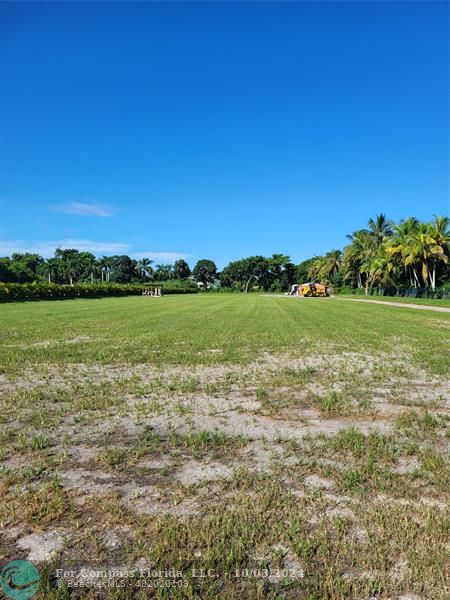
x=310 y=290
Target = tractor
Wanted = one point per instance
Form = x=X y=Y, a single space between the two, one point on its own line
x=310 y=290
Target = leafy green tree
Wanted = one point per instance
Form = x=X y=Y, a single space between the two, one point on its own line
x=24 y=268
x=281 y=272
x=287 y=277
x=204 y=272
x=277 y=262
x=5 y=270
x=410 y=253
x=181 y=270
x=123 y=269
x=247 y=271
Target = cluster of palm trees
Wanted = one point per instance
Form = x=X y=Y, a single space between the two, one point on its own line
x=69 y=266
x=411 y=253
x=325 y=268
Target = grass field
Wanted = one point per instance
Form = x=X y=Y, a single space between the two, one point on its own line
x=226 y=446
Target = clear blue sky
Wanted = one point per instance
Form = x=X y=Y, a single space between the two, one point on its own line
x=219 y=130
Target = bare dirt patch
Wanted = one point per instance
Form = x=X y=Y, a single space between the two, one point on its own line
x=145 y=455
x=194 y=472
x=41 y=547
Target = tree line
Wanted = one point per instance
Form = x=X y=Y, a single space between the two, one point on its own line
x=408 y=254
x=71 y=266
x=386 y=255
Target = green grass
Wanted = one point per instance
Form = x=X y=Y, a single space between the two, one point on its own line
x=212 y=329
x=333 y=403
x=114 y=410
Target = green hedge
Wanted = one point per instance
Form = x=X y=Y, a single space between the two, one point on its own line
x=52 y=291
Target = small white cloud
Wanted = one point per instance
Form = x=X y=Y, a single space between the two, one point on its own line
x=47 y=249
x=95 y=247
x=162 y=257
x=84 y=209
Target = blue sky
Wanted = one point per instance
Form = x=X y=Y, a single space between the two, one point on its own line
x=218 y=130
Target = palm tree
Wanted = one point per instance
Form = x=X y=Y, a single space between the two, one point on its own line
x=72 y=268
x=323 y=268
x=381 y=269
x=164 y=272
x=332 y=264
x=400 y=245
x=144 y=267
x=380 y=228
x=350 y=266
x=315 y=268
x=51 y=268
x=96 y=270
x=424 y=249
x=357 y=257
x=90 y=265
x=440 y=232
x=105 y=264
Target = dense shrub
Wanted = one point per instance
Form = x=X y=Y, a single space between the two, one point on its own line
x=53 y=291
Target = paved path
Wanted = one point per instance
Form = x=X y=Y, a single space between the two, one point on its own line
x=401 y=304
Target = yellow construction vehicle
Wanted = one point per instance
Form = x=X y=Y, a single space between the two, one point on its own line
x=310 y=290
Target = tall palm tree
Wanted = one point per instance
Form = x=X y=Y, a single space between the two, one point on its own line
x=51 y=268
x=350 y=266
x=380 y=228
x=95 y=269
x=105 y=267
x=424 y=249
x=400 y=245
x=72 y=268
x=439 y=230
x=90 y=265
x=357 y=257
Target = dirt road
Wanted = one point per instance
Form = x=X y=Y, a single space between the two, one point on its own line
x=401 y=304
